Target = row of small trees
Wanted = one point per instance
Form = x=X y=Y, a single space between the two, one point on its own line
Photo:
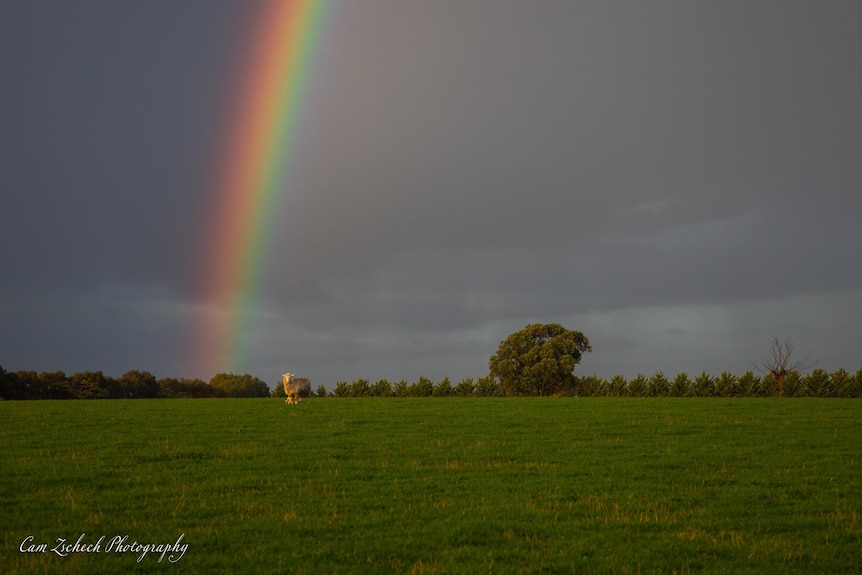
x=817 y=383
x=131 y=385
x=423 y=387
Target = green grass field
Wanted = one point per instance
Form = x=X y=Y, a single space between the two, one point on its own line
x=435 y=485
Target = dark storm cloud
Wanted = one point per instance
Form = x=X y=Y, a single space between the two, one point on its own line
x=109 y=118
x=111 y=112
x=610 y=146
x=653 y=174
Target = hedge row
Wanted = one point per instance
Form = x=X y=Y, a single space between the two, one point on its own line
x=817 y=383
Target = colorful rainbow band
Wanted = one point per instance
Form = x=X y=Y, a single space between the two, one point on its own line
x=261 y=140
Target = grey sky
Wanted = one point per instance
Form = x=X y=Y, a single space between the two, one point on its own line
x=680 y=181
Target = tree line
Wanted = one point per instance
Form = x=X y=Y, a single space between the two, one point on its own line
x=538 y=360
x=131 y=385
x=817 y=383
x=142 y=384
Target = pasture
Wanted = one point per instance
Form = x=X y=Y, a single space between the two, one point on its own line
x=436 y=485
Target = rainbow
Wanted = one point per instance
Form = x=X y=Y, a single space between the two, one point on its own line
x=260 y=141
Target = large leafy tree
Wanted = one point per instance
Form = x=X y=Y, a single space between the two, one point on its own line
x=234 y=385
x=138 y=384
x=91 y=385
x=538 y=360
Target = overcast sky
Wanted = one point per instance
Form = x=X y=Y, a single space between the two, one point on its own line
x=680 y=181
